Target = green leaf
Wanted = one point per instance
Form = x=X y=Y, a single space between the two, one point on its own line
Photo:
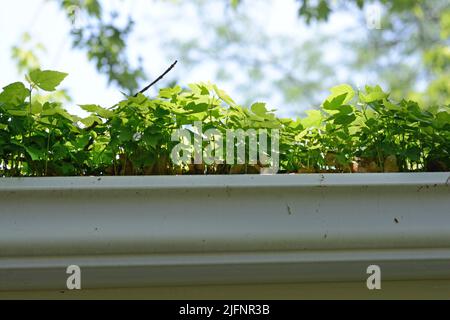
x=36 y=107
x=15 y=94
x=373 y=94
x=335 y=102
x=64 y=113
x=344 y=119
x=199 y=88
x=126 y=135
x=35 y=153
x=18 y=113
x=48 y=112
x=346 y=109
x=314 y=119
x=104 y=113
x=47 y=80
x=224 y=96
x=442 y=119
x=89 y=121
x=169 y=93
x=193 y=107
x=151 y=140
x=390 y=105
x=343 y=89
x=259 y=109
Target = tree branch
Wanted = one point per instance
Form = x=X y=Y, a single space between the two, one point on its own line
x=157 y=80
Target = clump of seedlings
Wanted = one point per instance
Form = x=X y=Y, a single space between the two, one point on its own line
x=352 y=131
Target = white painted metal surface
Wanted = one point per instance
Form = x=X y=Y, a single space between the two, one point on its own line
x=193 y=230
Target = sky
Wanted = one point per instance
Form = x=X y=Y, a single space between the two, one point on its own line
x=48 y=25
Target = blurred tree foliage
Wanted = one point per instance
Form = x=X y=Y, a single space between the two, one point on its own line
x=416 y=29
x=26 y=56
x=410 y=54
x=25 y=53
x=253 y=61
x=104 y=39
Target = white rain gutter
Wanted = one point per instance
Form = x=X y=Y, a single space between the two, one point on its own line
x=192 y=230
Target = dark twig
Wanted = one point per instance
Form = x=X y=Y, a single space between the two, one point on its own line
x=159 y=78
x=91 y=140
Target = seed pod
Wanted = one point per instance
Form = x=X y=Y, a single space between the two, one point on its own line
x=237 y=169
x=390 y=164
